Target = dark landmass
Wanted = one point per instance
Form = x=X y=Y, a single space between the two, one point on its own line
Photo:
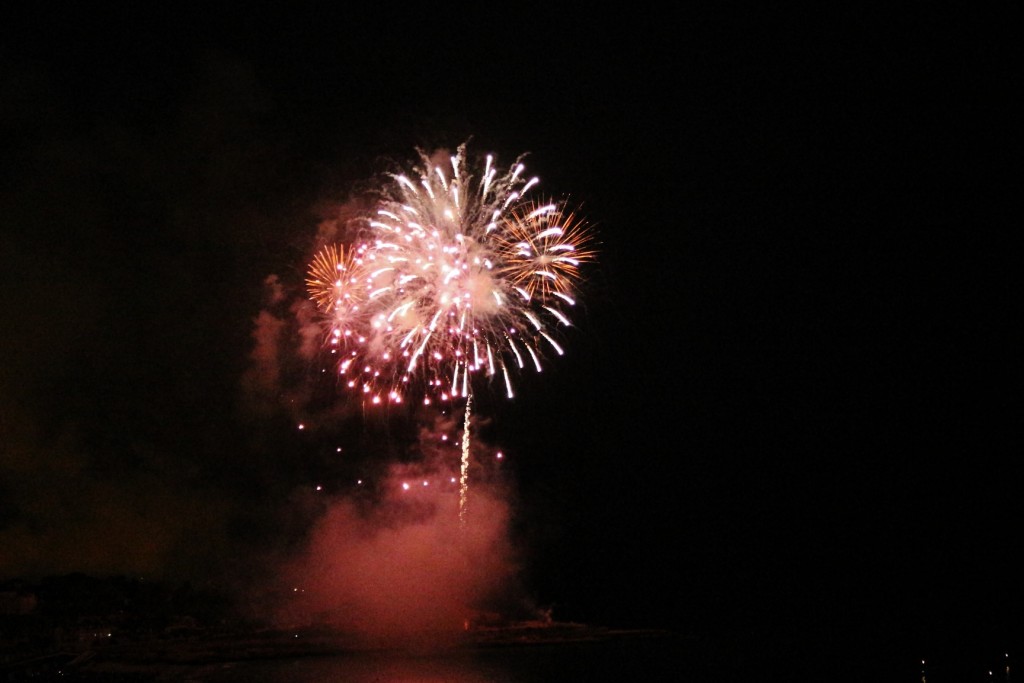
x=77 y=627
x=81 y=628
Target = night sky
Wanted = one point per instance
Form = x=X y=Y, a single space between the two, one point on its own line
x=789 y=407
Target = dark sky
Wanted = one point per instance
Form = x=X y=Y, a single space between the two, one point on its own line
x=791 y=402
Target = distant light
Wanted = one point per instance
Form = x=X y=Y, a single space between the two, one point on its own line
x=425 y=482
x=499 y=455
x=302 y=426
x=444 y=437
x=319 y=488
x=405 y=486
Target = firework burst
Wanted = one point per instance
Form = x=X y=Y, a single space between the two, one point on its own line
x=459 y=274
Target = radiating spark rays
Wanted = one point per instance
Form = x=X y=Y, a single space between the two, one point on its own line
x=457 y=261
x=330 y=277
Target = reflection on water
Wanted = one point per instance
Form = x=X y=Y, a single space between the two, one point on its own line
x=646 y=660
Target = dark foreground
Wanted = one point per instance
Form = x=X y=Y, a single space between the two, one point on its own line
x=511 y=654
x=80 y=628
x=554 y=652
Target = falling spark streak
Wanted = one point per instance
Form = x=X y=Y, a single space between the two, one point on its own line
x=405 y=181
x=565 y=297
x=508 y=382
x=515 y=351
x=533 y=354
x=561 y=317
x=553 y=343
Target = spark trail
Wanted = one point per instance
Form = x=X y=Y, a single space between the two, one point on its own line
x=464 y=463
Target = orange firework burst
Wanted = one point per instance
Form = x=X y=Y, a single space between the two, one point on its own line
x=542 y=249
x=332 y=279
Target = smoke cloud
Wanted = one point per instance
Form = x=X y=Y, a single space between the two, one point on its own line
x=385 y=558
x=404 y=570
